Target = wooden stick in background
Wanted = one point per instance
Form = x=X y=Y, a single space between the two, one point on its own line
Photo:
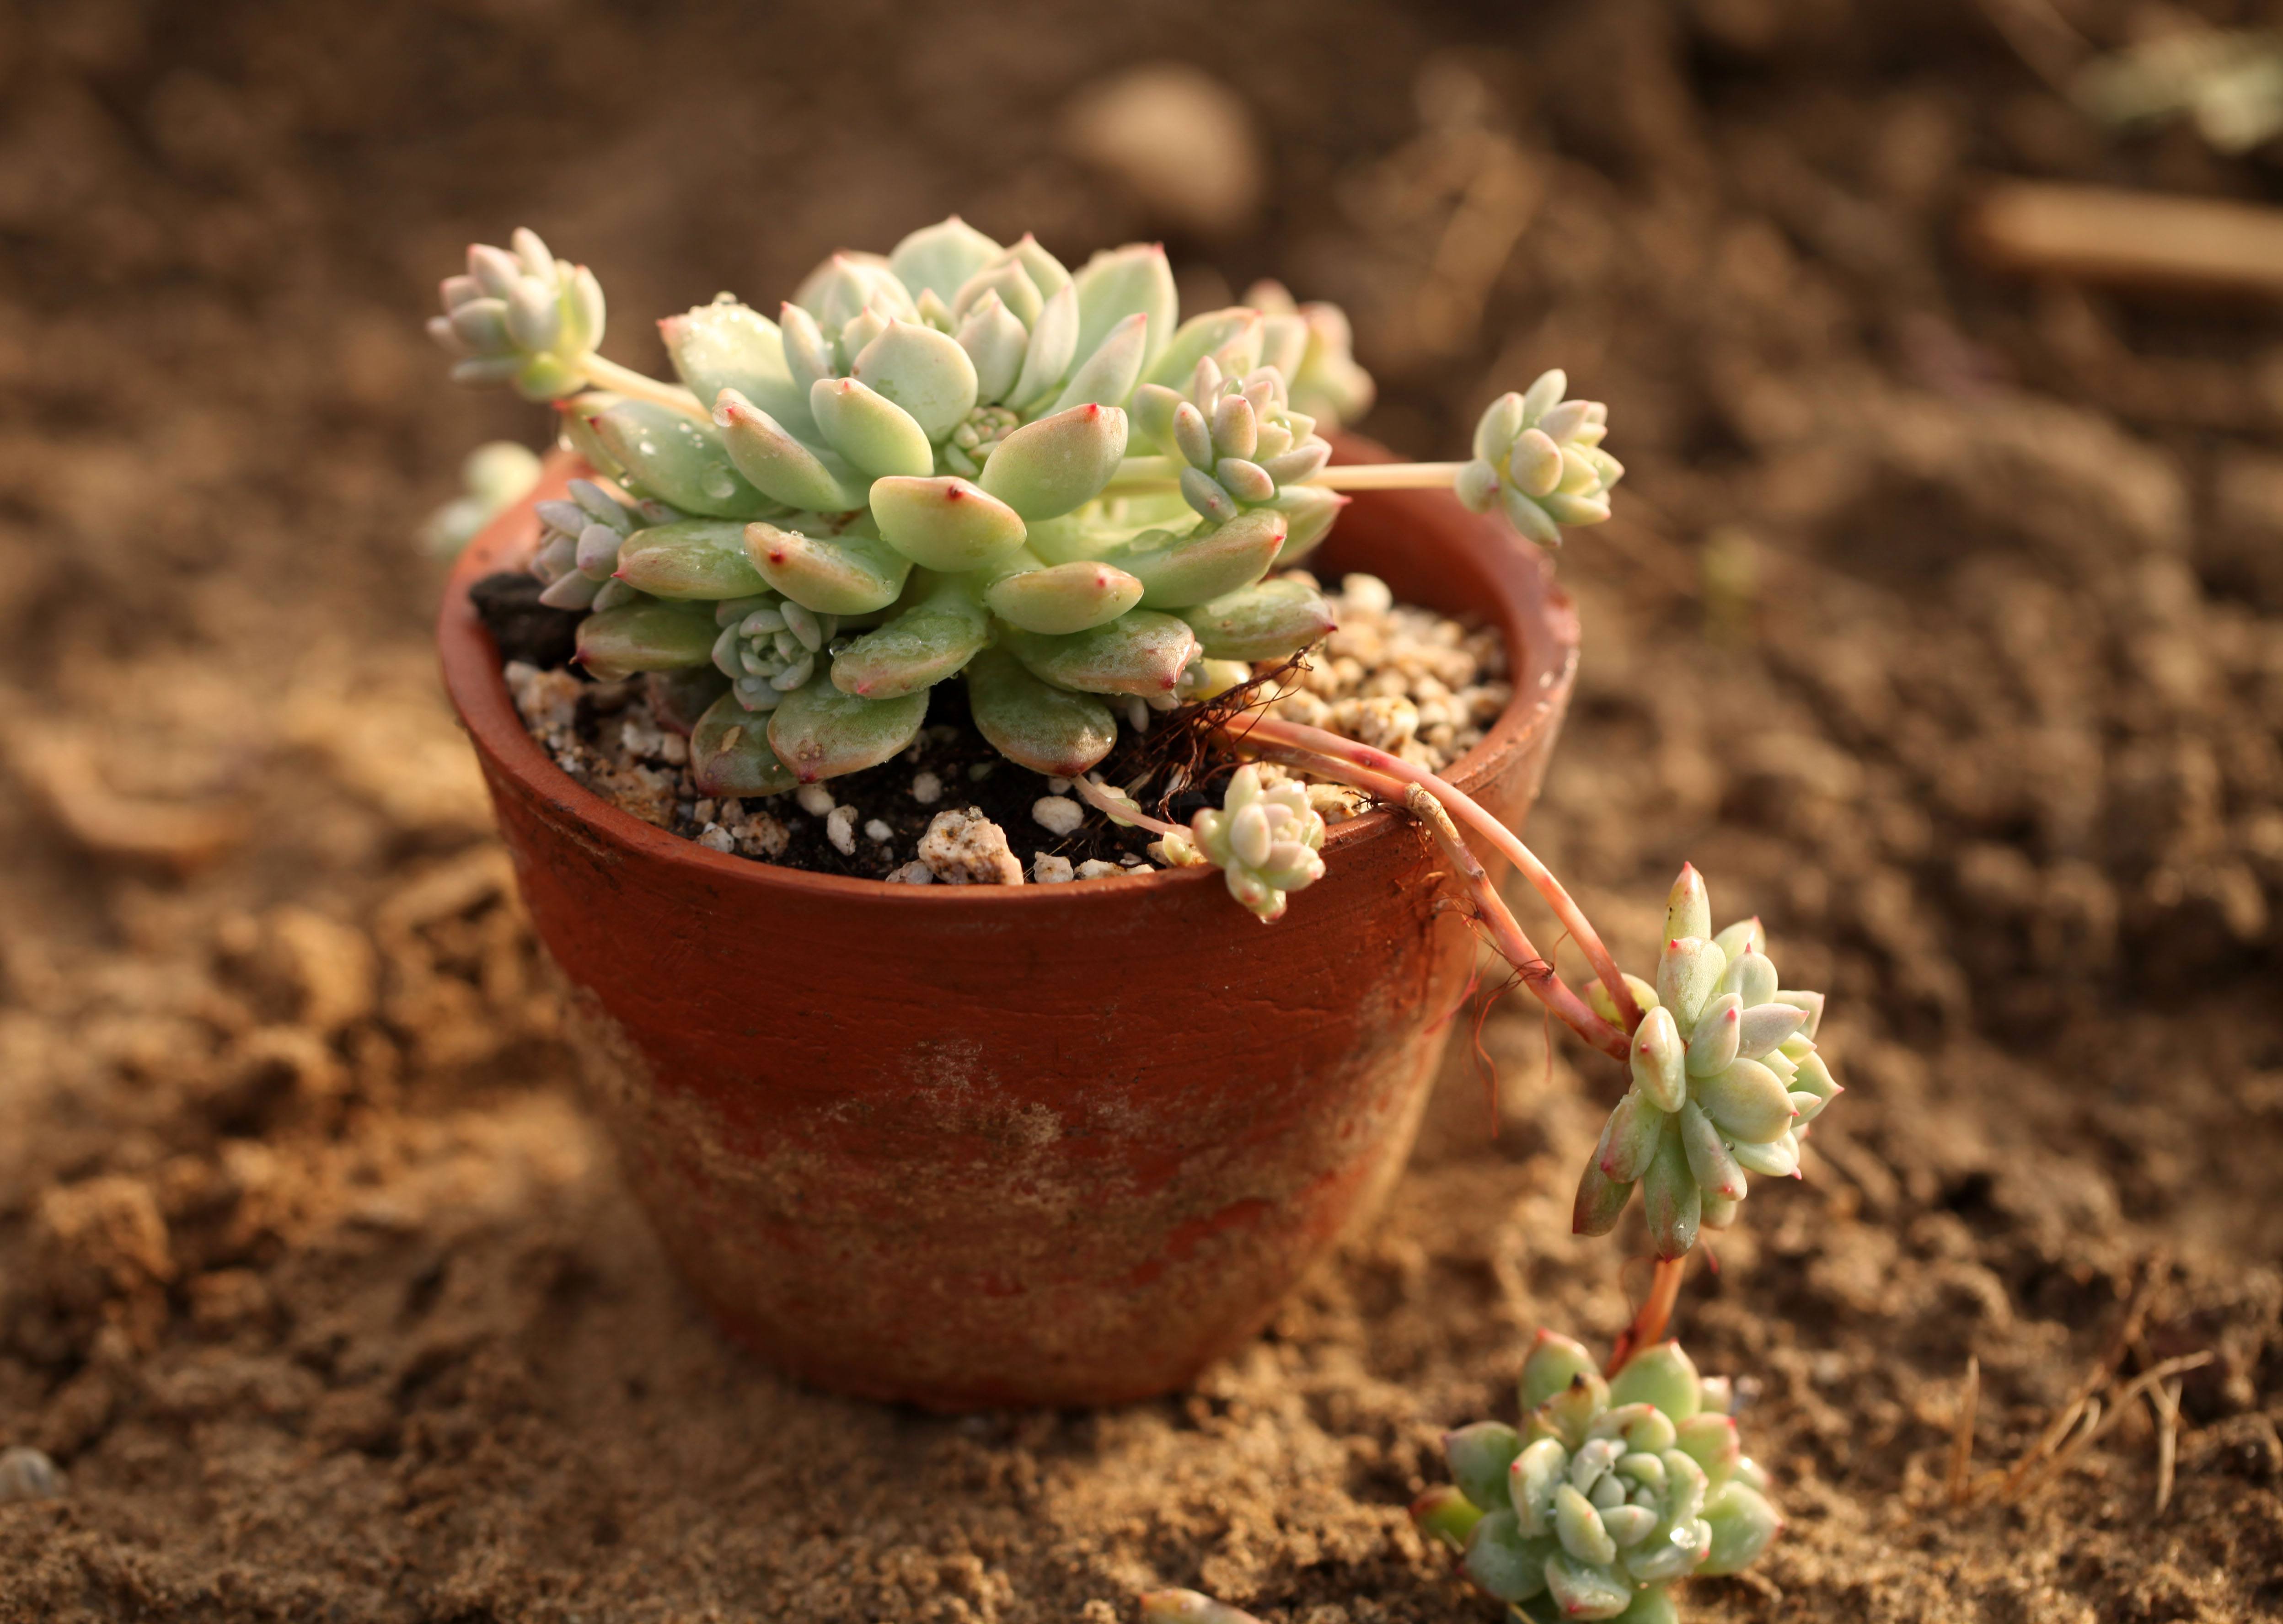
x=2134 y=239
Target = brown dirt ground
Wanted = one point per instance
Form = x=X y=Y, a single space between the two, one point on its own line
x=1943 y=627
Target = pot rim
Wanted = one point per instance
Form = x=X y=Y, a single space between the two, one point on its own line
x=1537 y=619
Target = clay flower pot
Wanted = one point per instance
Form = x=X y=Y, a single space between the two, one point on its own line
x=1038 y=1145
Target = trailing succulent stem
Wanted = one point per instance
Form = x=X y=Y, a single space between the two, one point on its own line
x=1612 y=1489
x=918 y=471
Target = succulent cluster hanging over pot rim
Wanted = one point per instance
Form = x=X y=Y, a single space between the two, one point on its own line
x=926 y=467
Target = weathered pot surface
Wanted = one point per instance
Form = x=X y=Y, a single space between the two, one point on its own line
x=991 y=1145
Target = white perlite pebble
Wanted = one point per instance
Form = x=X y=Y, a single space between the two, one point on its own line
x=1095 y=868
x=1058 y=786
x=1047 y=869
x=879 y=833
x=1405 y=680
x=912 y=873
x=1367 y=593
x=643 y=738
x=547 y=700
x=815 y=800
x=1058 y=814
x=716 y=838
x=840 y=829
x=927 y=788
x=966 y=847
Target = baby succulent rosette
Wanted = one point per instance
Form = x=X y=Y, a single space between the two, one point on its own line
x=1725 y=1079
x=919 y=469
x=1538 y=458
x=1609 y=1492
x=1266 y=840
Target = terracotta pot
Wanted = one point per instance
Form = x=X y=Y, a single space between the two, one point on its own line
x=1035 y=1145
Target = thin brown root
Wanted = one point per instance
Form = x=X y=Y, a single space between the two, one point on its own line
x=1482 y=1050
x=1186 y=748
x=1466 y=996
x=1961 y=1436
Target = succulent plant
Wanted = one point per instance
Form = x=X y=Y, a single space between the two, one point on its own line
x=1725 y=1077
x=1610 y=1491
x=1237 y=443
x=1538 y=458
x=1264 y=838
x=580 y=536
x=924 y=456
x=524 y=318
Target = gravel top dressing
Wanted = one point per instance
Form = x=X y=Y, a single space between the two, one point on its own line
x=951 y=809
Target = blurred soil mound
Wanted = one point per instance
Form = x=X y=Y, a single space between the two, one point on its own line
x=1940 y=625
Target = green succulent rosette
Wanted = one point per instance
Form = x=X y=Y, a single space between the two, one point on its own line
x=905 y=477
x=1538 y=460
x=521 y=317
x=1725 y=1079
x=945 y=452
x=1609 y=1493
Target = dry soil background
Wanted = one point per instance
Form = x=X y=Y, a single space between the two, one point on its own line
x=1943 y=627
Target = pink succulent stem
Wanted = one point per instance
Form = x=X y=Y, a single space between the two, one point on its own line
x=1257 y=730
x=1507 y=935
x=1655 y=1313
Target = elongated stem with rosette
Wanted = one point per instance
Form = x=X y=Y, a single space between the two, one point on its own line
x=1254 y=731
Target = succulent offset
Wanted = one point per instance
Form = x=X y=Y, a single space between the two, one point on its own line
x=1538 y=459
x=1266 y=839
x=920 y=470
x=1725 y=1078
x=1609 y=1492
x=523 y=318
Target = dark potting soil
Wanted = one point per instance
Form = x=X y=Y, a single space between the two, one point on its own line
x=967 y=772
x=524 y=628
x=1408 y=680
